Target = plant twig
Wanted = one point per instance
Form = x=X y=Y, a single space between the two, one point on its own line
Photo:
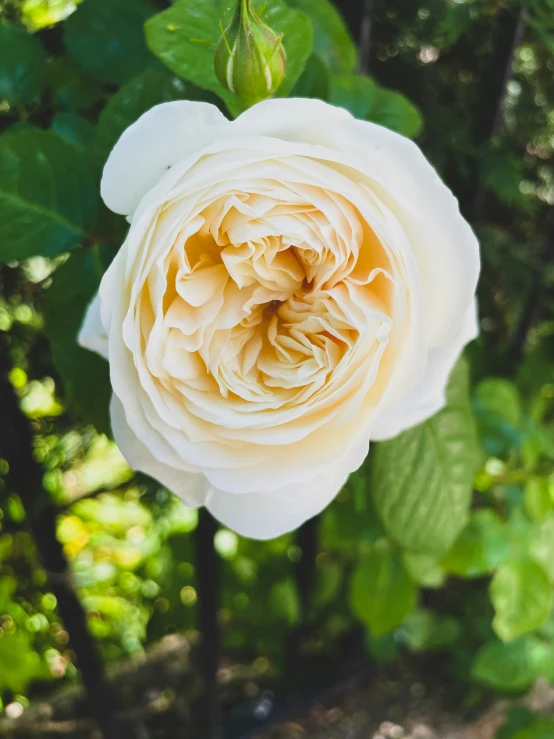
x=365 y=37
x=16 y=446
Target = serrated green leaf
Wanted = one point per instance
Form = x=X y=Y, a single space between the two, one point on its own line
x=85 y=375
x=522 y=598
x=153 y=86
x=332 y=41
x=48 y=196
x=22 y=65
x=106 y=37
x=367 y=100
x=507 y=667
x=422 y=480
x=482 y=545
x=185 y=37
x=381 y=592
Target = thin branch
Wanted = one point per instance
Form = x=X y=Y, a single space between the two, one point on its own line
x=207 y=570
x=365 y=37
x=16 y=446
x=493 y=99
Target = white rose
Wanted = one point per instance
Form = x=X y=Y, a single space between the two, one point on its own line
x=294 y=283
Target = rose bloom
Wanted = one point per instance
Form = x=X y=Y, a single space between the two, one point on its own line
x=294 y=284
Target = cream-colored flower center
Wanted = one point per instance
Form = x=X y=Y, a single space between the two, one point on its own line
x=266 y=300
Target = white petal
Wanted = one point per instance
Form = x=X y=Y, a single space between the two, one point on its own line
x=283 y=118
x=260 y=516
x=163 y=135
x=443 y=243
x=429 y=395
x=191 y=487
x=92 y=334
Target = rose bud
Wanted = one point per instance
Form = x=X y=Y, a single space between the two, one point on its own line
x=250 y=59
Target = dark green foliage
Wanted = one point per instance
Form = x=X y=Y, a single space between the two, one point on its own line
x=23 y=64
x=48 y=197
x=106 y=38
x=85 y=376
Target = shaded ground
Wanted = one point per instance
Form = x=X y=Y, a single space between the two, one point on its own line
x=156 y=695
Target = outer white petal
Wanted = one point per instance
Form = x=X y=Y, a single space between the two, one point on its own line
x=160 y=137
x=260 y=516
x=443 y=243
x=284 y=118
x=429 y=395
x=191 y=487
x=92 y=334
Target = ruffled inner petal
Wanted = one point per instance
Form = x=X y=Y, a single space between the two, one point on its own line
x=266 y=313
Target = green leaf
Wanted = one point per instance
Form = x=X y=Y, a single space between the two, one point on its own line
x=329 y=580
x=542 y=546
x=367 y=100
x=542 y=728
x=522 y=598
x=313 y=82
x=422 y=480
x=74 y=129
x=502 y=174
x=482 y=546
x=185 y=36
x=332 y=41
x=425 y=631
x=351 y=518
x=501 y=398
x=381 y=592
x=424 y=569
x=352 y=92
x=283 y=601
x=22 y=64
x=85 y=375
x=153 y=86
x=48 y=196
x=538 y=500
x=38 y=14
x=497 y=407
x=517 y=718
x=69 y=87
x=507 y=667
x=20 y=662
x=384 y=648
x=106 y=37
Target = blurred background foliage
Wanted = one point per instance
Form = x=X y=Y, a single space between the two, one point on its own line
x=72 y=78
